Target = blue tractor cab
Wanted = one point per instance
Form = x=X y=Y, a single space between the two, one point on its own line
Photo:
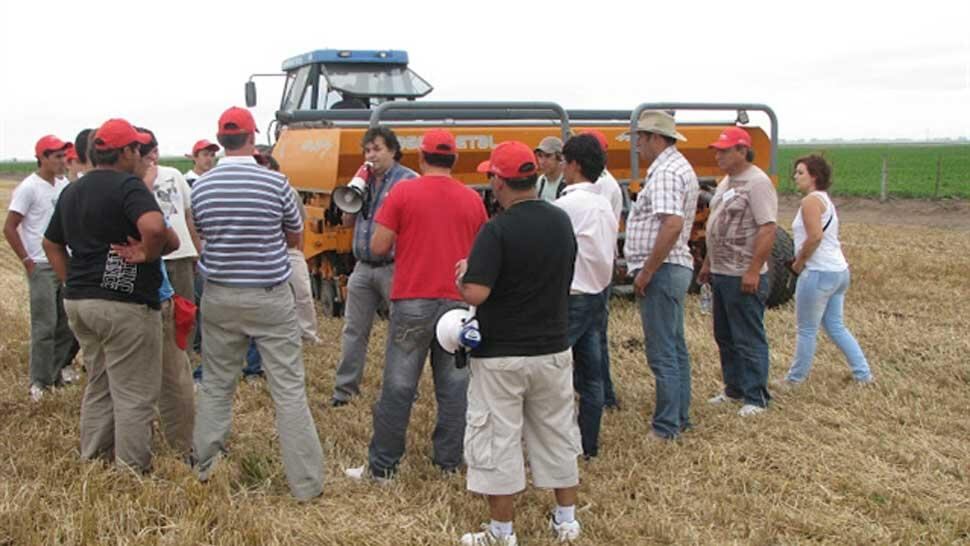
x=334 y=79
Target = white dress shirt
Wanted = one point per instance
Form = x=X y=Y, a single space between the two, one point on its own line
x=594 y=225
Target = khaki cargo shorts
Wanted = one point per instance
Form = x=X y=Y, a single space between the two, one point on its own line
x=516 y=399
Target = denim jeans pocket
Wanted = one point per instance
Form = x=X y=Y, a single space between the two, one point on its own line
x=764 y=289
x=827 y=281
x=479 y=440
x=408 y=328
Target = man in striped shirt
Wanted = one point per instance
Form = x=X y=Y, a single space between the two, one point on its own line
x=657 y=254
x=247 y=216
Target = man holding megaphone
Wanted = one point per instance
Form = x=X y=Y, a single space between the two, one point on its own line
x=370 y=282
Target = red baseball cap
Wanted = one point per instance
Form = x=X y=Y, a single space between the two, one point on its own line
x=510 y=160
x=439 y=141
x=50 y=143
x=731 y=137
x=71 y=153
x=598 y=135
x=240 y=118
x=118 y=133
x=204 y=145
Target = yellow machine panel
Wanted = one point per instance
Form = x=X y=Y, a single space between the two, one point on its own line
x=319 y=160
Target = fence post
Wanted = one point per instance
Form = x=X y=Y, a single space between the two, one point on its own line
x=939 y=174
x=885 y=176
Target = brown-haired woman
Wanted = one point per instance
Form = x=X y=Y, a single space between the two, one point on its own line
x=823 y=274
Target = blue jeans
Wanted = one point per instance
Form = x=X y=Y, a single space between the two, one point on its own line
x=254 y=362
x=662 y=314
x=410 y=336
x=739 y=329
x=199 y=282
x=585 y=337
x=819 y=298
x=609 y=395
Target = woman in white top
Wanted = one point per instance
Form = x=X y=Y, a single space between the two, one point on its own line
x=823 y=274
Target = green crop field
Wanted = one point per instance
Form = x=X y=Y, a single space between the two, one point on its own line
x=912 y=168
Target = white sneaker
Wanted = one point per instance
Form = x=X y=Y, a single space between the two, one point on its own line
x=486 y=538
x=361 y=473
x=355 y=473
x=69 y=375
x=36 y=393
x=566 y=531
x=723 y=399
x=748 y=410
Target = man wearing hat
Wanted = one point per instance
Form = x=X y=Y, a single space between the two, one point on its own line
x=176 y=406
x=740 y=235
x=521 y=387
x=549 y=155
x=431 y=221
x=112 y=301
x=246 y=267
x=203 y=158
x=657 y=232
x=29 y=212
x=174 y=196
x=72 y=164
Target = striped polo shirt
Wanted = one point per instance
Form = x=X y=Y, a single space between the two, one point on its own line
x=241 y=211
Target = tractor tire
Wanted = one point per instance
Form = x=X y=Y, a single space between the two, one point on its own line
x=329 y=305
x=781 y=281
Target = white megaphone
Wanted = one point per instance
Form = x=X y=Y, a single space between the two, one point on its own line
x=350 y=198
x=456 y=329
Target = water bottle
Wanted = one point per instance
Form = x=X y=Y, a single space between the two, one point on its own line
x=707 y=299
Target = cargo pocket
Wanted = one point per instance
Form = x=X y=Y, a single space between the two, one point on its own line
x=479 y=452
x=575 y=436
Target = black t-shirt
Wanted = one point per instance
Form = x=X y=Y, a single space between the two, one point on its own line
x=99 y=209
x=526 y=256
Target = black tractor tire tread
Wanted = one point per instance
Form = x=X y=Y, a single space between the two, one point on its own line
x=781 y=281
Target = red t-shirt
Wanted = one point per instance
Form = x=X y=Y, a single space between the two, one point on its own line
x=436 y=219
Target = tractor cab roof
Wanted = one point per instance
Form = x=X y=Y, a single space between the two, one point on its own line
x=362 y=74
x=347 y=56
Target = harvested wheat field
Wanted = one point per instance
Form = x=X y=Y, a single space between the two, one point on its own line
x=829 y=463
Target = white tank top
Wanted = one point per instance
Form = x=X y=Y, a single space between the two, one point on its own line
x=828 y=256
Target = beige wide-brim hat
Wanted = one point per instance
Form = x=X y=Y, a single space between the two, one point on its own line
x=659 y=122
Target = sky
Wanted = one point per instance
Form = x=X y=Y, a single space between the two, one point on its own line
x=850 y=70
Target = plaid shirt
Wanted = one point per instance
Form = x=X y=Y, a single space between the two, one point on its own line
x=364 y=226
x=671 y=187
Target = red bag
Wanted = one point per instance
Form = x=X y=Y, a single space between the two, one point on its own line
x=184 y=312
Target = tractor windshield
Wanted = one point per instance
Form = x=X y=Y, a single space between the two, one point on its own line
x=374 y=80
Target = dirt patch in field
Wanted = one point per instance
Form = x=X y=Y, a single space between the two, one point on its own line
x=943 y=213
